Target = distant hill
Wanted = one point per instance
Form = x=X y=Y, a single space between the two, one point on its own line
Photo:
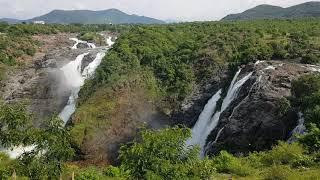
x=309 y=9
x=114 y=16
x=10 y=20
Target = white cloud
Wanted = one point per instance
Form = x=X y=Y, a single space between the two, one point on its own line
x=163 y=9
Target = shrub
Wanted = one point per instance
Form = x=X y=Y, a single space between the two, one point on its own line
x=202 y=169
x=112 y=171
x=278 y=172
x=306 y=85
x=312 y=115
x=5 y=163
x=89 y=174
x=227 y=163
x=283 y=154
x=312 y=139
x=310 y=58
x=284 y=106
x=92 y=37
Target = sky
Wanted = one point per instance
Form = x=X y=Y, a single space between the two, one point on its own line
x=181 y=10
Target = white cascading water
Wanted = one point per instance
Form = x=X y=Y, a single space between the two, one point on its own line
x=299 y=129
x=198 y=137
x=75 y=79
x=72 y=73
x=206 y=122
x=109 y=41
x=17 y=151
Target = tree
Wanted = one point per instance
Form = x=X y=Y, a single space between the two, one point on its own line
x=15 y=126
x=52 y=144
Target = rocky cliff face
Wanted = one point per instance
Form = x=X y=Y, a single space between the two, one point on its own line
x=256 y=120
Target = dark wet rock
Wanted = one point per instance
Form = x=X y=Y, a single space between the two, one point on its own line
x=87 y=60
x=82 y=46
x=46 y=63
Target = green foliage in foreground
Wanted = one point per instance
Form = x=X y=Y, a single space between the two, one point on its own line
x=162 y=155
x=155 y=154
x=51 y=143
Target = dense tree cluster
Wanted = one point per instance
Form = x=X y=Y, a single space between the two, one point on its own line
x=181 y=55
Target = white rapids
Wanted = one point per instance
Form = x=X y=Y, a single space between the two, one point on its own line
x=17 y=151
x=208 y=119
x=109 y=41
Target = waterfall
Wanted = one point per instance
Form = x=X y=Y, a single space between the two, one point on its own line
x=299 y=129
x=206 y=122
x=75 y=79
x=197 y=131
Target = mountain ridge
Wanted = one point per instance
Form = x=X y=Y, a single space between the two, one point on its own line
x=113 y=16
x=265 y=11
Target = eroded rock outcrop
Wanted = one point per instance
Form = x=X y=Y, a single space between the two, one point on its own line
x=255 y=121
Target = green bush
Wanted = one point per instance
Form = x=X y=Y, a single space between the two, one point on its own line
x=227 y=163
x=278 y=172
x=312 y=139
x=284 y=154
x=5 y=163
x=92 y=37
x=89 y=174
x=284 y=106
x=310 y=58
x=112 y=171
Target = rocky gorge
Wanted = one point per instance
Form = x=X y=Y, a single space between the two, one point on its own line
x=252 y=120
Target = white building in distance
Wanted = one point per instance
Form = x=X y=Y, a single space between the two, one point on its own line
x=39 y=22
